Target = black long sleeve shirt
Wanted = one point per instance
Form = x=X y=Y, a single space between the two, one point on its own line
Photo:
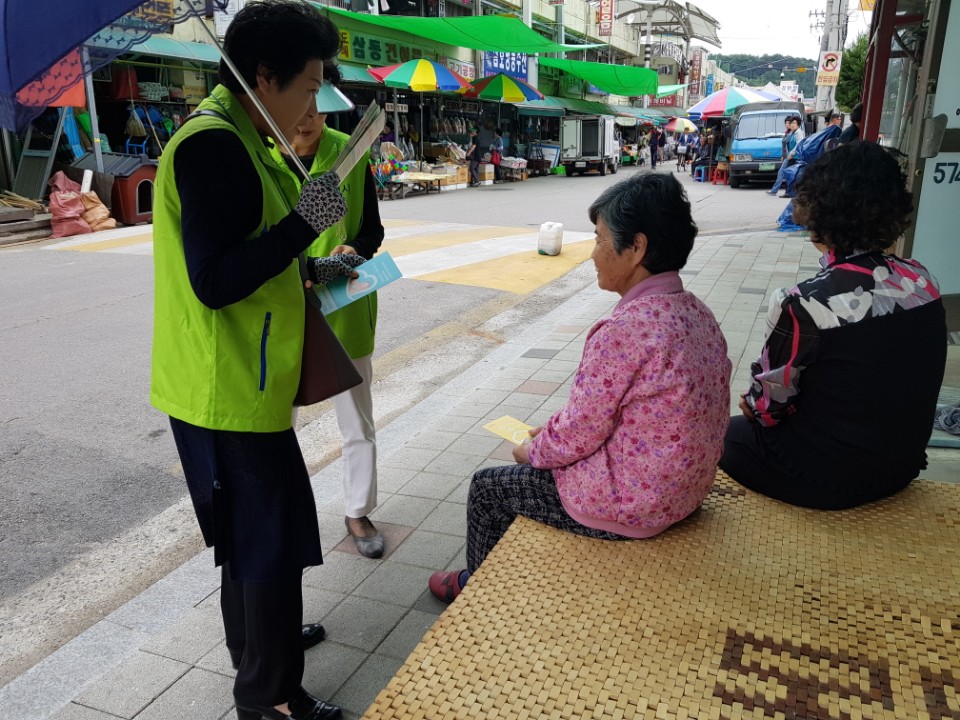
x=221 y=201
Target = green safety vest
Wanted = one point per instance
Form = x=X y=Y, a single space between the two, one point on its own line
x=355 y=325
x=236 y=368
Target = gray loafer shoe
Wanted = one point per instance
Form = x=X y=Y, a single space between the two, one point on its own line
x=371 y=547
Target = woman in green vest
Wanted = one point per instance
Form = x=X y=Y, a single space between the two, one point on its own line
x=229 y=224
x=359 y=233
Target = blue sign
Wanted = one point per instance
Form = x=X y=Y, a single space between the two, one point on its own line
x=512 y=64
x=709 y=84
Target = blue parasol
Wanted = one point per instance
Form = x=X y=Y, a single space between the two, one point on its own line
x=41 y=43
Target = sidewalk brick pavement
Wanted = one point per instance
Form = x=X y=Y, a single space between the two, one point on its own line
x=162 y=655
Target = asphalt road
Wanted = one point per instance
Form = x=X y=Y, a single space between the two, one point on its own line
x=94 y=502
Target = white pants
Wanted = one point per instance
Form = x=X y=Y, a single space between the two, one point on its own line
x=355 y=420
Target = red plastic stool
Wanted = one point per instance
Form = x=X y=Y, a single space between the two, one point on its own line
x=719 y=175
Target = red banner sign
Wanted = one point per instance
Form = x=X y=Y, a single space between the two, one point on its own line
x=606 y=17
x=667 y=101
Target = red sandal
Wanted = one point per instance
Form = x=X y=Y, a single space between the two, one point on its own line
x=446 y=586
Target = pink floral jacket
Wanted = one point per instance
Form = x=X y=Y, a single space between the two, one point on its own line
x=635 y=448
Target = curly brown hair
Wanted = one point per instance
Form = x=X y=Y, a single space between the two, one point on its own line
x=854 y=198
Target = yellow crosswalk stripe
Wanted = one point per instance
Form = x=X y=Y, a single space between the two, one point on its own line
x=519 y=274
x=111 y=244
x=460 y=236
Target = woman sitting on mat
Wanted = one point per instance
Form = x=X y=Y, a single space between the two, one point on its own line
x=844 y=393
x=635 y=448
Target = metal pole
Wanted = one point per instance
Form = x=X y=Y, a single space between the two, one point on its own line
x=8 y=156
x=92 y=108
x=277 y=133
x=647 y=56
x=396 y=118
x=533 y=68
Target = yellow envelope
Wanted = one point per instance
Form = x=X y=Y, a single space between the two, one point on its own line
x=510 y=429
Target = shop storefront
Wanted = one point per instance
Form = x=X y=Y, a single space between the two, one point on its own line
x=911 y=103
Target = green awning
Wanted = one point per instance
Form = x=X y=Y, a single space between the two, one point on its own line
x=548 y=107
x=614 y=79
x=356 y=74
x=494 y=33
x=665 y=90
x=167 y=47
x=585 y=107
x=632 y=112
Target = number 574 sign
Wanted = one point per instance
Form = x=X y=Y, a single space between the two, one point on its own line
x=946 y=172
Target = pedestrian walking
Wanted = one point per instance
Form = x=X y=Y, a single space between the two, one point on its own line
x=228 y=338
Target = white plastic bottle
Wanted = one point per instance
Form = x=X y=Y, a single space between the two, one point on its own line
x=551 y=238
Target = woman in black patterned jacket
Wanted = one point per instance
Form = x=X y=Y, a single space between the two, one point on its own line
x=843 y=395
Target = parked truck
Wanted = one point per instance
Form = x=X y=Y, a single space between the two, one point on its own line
x=588 y=142
x=755 y=146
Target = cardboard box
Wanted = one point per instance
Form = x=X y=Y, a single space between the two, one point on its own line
x=439 y=169
x=193 y=94
x=463 y=175
x=485 y=167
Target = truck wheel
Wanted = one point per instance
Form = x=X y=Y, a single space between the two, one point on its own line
x=613 y=168
x=603 y=168
x=734 y=182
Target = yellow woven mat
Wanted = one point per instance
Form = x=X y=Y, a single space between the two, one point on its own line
x=750 y=608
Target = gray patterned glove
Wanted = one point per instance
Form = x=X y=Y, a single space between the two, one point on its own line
x=324 y=269
x=321 y=203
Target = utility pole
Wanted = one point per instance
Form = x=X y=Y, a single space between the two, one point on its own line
x=834 y=37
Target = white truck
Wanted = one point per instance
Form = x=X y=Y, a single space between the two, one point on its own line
x=588 y=142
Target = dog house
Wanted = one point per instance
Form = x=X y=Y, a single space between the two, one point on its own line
x=133 y=184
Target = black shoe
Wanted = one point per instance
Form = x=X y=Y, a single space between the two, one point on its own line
x=312 y=634
x=303 y=707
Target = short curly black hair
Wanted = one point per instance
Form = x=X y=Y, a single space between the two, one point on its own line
x=854 y=198
x=655 y=205
x=282 y=36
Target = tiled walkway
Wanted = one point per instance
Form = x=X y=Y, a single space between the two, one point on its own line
x=162 y=656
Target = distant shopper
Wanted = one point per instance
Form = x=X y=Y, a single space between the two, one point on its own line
x=851 y=132
x=388 y=134
x=496 y=155
x=791 y=139
x=473 y=158
x=655 y=135
x=706 y=157
x=843 y=395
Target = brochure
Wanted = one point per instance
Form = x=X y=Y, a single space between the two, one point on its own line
x=373 y=275
x=509 y=428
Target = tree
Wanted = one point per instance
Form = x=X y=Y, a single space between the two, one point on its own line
x=758 y=70
x=850 y=86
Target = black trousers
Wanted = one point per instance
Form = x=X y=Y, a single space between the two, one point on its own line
x=806 y=479
x=262 y=621
x=253 y=500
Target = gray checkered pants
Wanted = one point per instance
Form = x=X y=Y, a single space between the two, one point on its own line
x=499 y=494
